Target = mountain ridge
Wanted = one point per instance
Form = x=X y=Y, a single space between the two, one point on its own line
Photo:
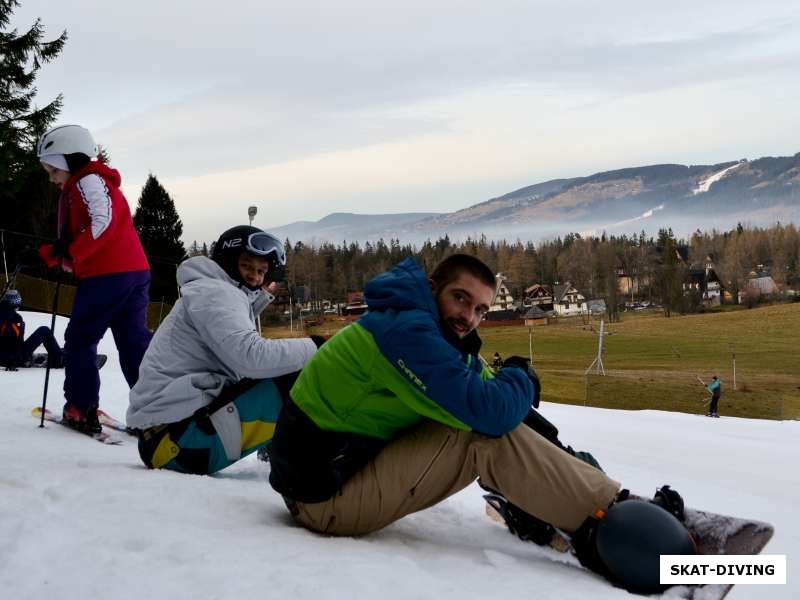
x=685 y=197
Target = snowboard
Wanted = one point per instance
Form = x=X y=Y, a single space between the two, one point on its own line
x=40 y=360
x=713 y=533
x=103 y=437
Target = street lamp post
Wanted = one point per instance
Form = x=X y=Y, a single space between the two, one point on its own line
x=251 y=212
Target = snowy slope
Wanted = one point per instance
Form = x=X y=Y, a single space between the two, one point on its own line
x=705 y=185
x=82 y=520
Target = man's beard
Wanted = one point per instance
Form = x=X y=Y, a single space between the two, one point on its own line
x=458 y=327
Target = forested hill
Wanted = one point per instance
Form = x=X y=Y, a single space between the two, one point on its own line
x=685 y=198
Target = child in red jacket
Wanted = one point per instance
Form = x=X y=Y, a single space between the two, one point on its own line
x=98 y=243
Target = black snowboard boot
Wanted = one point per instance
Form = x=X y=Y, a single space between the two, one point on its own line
x=525 y=526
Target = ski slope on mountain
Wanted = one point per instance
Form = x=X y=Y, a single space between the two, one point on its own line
x=81 y=520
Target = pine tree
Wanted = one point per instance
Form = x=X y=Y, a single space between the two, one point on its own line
x=26 y=201
x=160 y=230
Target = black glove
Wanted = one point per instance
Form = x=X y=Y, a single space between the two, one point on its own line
x=520 y=362
x=318 y=340
x=517 y=361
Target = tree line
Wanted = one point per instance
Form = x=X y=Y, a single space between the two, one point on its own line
x=657 y=266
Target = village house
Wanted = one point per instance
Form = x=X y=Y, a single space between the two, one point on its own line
x=759 y=284
x=702 y=278
x=503 y=307
x=567 y=300
x=355 y=304
x=503 y=300
x=540 y=296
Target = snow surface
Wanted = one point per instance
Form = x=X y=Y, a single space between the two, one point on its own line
x=82 y=520
x=706 y=183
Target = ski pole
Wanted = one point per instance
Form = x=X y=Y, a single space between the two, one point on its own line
x=52 y=330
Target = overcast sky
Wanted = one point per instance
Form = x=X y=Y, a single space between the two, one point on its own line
x=310 y=107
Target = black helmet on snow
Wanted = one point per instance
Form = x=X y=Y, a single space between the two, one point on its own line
x=245 y=238
x=632 y=537
x=11 y=298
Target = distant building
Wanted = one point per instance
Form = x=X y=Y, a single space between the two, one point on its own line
x=540 y=296
x=567 y=300
x=755 y=288
x=596 y=307
x=503 y=300
x=702 y=278
x=535 y=316
x=281 y=302
x=355 y=304
x=507 y=314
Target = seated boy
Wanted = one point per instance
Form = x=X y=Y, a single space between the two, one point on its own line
x=210 y=386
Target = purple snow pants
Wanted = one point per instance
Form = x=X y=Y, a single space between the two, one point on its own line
x=117 y=301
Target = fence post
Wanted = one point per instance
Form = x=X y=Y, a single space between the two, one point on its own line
x=586 y=388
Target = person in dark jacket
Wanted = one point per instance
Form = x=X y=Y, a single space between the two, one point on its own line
x=497 y=361
x=715 y=387
x=15 y=350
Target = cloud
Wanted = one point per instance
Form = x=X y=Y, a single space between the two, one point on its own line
x=439 y=101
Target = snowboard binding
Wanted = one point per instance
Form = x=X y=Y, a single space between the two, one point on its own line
x=525 y=526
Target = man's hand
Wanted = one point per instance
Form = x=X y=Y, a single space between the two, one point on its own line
x=520 y=362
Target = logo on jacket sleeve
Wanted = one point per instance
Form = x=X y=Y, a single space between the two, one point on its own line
x=410 y=374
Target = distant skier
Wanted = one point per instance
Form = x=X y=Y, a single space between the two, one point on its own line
x=715 y=387
x=98 y=243
x=211 y=386
x=15 y=350
x=497 y=361
x=396 y=413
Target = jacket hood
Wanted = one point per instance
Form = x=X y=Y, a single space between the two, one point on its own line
x=404 y=287
x=99 y=168
x=202 y=267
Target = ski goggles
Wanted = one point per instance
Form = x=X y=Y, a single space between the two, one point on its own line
x=261 y=243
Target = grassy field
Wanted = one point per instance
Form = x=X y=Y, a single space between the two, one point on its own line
x=652 y=362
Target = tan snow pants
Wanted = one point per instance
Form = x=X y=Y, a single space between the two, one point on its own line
x=434 y=461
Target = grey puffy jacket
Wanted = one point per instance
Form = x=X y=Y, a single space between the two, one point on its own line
x=208 y=340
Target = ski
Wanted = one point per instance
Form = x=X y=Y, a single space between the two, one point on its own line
x=39 y=360
x=104 y=437
x=108 y=421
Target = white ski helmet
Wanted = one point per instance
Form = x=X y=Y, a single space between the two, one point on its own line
x=67 y=139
